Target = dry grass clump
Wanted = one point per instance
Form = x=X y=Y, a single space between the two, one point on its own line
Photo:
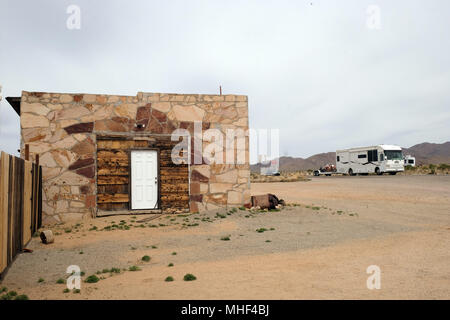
x=283 y=177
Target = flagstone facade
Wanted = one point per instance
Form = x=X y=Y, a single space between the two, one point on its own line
x=64 y=130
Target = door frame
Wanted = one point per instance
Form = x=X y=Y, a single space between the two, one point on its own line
x=158 y=175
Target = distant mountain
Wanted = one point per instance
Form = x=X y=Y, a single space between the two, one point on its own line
x=430 y=153
x=425 y=153
x=290 y=164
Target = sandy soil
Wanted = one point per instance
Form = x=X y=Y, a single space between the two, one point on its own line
x=318 y=250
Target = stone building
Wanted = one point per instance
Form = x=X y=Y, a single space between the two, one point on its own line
x=104 y=154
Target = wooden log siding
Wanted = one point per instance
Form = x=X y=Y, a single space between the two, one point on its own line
x=113 y=173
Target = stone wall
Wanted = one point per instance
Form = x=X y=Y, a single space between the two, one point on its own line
x=62 y=129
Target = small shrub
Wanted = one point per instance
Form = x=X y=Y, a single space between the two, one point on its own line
x=114 y=270
x=66 y=290
x=76 y=291
x=242 y=208
x=92 y=279
x=268 y=241
x=261 y=230
x=174 y=253
x=315 y=208
x=60 y=281
x=134 y=268
x=170 y=264
x=22 y=297
x=146 y=258
x=168 y=279
x=189 y=277
x=41 y=280
x=227 y=238
x=3 y=289
x=154 y=247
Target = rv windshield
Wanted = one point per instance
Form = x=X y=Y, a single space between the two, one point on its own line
x=393 y=154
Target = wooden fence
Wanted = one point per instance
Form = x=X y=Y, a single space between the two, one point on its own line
x=20 y=205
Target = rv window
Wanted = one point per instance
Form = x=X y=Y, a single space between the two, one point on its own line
x=361 y=156
x=373 y=155
x=411 y=161
x=337 y=159
x=393 y=154
x=381 y=157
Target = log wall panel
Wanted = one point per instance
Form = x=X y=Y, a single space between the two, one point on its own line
x=113 y=170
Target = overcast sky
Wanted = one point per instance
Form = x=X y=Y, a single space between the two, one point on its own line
x=313 y=69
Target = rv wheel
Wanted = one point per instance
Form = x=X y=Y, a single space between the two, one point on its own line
x=350 y=172
x=392 y=173
x=377 y=171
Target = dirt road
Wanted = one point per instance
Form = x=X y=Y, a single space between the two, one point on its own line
x=318 y=250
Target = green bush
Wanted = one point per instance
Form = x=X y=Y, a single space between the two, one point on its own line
x=60 y=281
x=92 y=279
x=146 y=258
x=189 y=277
x=134 y=268
x=22 y=297
x=114 y=270
x=168 y=279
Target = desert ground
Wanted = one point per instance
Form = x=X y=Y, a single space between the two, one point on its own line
x=318 y=247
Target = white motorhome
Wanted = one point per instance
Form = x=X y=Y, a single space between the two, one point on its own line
x=410 y=161
x=375 y=159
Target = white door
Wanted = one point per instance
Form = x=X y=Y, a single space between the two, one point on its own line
x=144 y=179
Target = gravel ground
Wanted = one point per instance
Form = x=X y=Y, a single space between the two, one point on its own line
x=322 y=246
